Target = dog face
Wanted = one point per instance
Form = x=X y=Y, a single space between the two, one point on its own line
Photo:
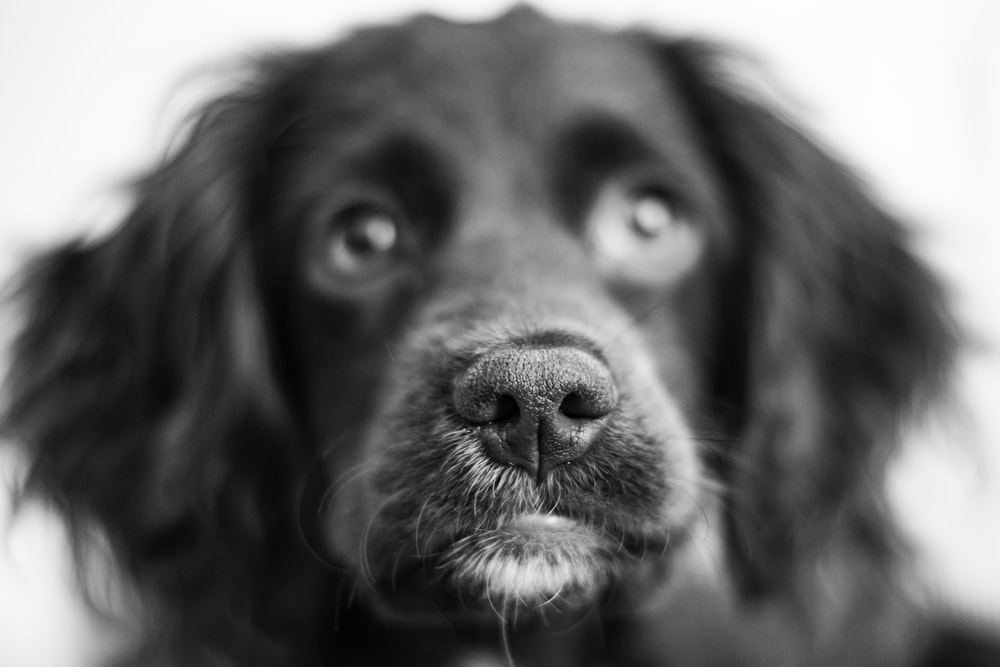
x=505 y=316
x=527 y=258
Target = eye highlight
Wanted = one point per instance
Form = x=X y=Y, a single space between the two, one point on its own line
x=651 y=215
x=362 y=241
x=638 y=234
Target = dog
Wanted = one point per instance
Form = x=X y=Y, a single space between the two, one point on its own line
x=506 y=343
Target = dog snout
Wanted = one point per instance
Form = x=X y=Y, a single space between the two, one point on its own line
x=536 y=407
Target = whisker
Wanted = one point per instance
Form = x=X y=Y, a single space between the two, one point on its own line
x=365 y=563
x=416 y=529
x=345 y=479
x=505 y=642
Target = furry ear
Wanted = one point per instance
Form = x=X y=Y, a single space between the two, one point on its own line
x=843 y=333
x=142 y=378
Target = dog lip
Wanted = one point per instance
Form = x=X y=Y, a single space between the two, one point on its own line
x=536 y=523
x=531 y=559
x=525 y=563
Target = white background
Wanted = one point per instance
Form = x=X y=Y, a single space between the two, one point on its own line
x=906 y=90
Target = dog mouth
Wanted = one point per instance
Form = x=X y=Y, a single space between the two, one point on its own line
x=534 y=566
x=531 y=561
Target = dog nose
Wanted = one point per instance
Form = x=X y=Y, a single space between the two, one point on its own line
x=536 y=407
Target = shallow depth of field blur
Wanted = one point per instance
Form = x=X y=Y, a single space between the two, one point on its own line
x=908 y=91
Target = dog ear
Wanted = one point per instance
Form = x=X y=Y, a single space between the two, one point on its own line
x=142 y=378
x=838 y=333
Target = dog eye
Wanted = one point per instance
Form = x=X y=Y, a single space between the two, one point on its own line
x=363 y=242
x=639 y=234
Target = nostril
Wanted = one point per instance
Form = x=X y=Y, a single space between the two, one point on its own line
x=506 y=409
x=576 y=406
x=481 y=406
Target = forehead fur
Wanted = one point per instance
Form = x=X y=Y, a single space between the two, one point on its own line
x=541 y=75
